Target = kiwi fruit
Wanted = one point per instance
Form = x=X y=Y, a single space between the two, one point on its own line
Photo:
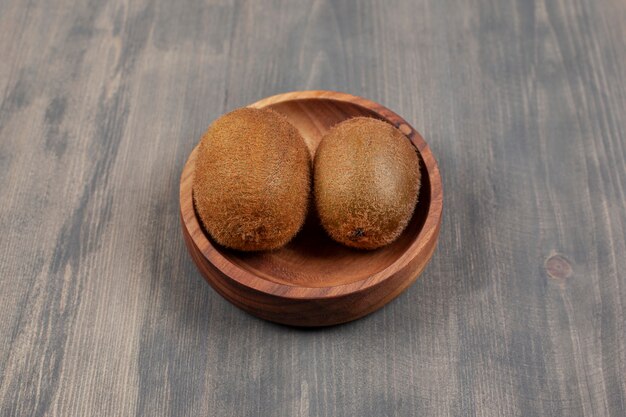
x=366 y=182
x=252 y=180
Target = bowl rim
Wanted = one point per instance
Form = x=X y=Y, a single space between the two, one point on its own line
x=428 y=232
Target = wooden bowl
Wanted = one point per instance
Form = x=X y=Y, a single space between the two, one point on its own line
x=314 y=281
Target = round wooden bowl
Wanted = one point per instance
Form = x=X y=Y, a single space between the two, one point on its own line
x=314 y=281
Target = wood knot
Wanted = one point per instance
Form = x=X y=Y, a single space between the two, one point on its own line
x=405 y=129
x=558 y=267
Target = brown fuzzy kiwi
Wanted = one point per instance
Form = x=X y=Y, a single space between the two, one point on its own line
x=252 y=180
x=366 y=182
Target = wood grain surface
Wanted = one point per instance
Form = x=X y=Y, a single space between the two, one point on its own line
x=521 y=311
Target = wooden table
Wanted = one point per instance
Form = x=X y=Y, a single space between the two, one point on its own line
x=522 y=311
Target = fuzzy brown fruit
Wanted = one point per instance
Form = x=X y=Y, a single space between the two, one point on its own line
x=366 y=182
x=252 y=180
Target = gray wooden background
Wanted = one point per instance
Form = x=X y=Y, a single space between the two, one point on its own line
x=521 y=311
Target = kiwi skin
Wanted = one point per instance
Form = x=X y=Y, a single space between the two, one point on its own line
x=366 y=182
x=252 y=180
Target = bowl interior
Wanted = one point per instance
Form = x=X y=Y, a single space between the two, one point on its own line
x=312 y=259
